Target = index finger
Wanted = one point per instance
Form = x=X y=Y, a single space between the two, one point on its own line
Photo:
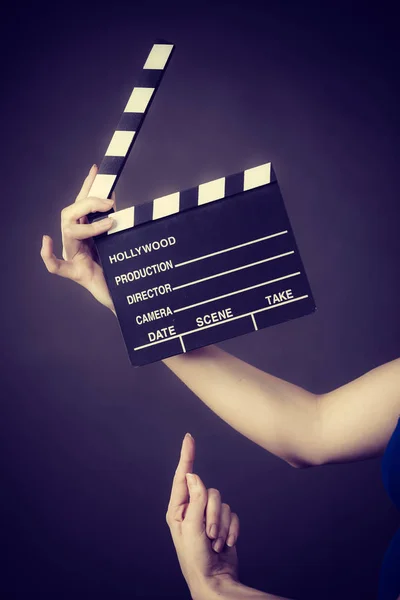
x=87 y=184
x=179 y=492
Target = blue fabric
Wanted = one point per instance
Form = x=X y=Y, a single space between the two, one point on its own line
x=389 y=584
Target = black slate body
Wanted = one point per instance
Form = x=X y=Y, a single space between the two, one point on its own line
x=205 y=274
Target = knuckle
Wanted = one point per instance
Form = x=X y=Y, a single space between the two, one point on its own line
x=65 y=213
x=52 y=268
x=102 y=223
x=95 y=203
x=67 y=231
x=189 y=525
x=195 y=495
x=234 y=525
x=200 y=492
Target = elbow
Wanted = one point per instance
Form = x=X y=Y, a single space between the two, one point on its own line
x=311 y=458
x=302 y=445
x=311 y=451
x=305 y=464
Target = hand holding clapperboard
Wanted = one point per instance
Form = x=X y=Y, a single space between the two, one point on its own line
x=200 y=266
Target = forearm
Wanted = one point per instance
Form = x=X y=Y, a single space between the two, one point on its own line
x=279 y=416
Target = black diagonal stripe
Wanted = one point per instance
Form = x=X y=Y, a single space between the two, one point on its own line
x=112 y=165
x=234 y=184
x=149 y=78
x=97 y=216
x=273 y=174
x=143 y=213
x=130 y=122
x=189 y=198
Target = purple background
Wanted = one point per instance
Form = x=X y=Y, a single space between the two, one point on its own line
x=88 y=444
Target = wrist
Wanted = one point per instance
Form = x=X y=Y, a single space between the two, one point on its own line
x=214 y=588
x=226 y=587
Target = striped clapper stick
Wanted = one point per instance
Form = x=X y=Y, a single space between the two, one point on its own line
x=197 y=267
x=130 y=123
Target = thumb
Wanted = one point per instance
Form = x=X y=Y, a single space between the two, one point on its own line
x=197 y=503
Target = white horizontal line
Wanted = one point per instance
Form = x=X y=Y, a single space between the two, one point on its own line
x=259 y=262
x=253 y=312
x=252 y=287
x=229 y=249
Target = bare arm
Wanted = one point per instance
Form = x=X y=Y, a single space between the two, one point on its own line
x=279 y=416
x=353 y=422
x=359 y=417
x=350 y=423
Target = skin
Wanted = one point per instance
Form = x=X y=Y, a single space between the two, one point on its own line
x=191 y=510
x=352 y=422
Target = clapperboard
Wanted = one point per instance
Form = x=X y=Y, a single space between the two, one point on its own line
x=200 y=266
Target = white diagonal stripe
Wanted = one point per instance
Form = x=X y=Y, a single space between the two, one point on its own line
x=166 y=205
x=257 y=176
x=213 y=190
x=120 y=142
x=158 y=56
x=101 y=187
x=123 y=219
x=139 y=100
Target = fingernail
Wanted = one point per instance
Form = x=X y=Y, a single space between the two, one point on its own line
x=189 y=435
x=191 y=479
x=94 y=166
x=213 y=531
x=217 y=545
x=230 y=541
